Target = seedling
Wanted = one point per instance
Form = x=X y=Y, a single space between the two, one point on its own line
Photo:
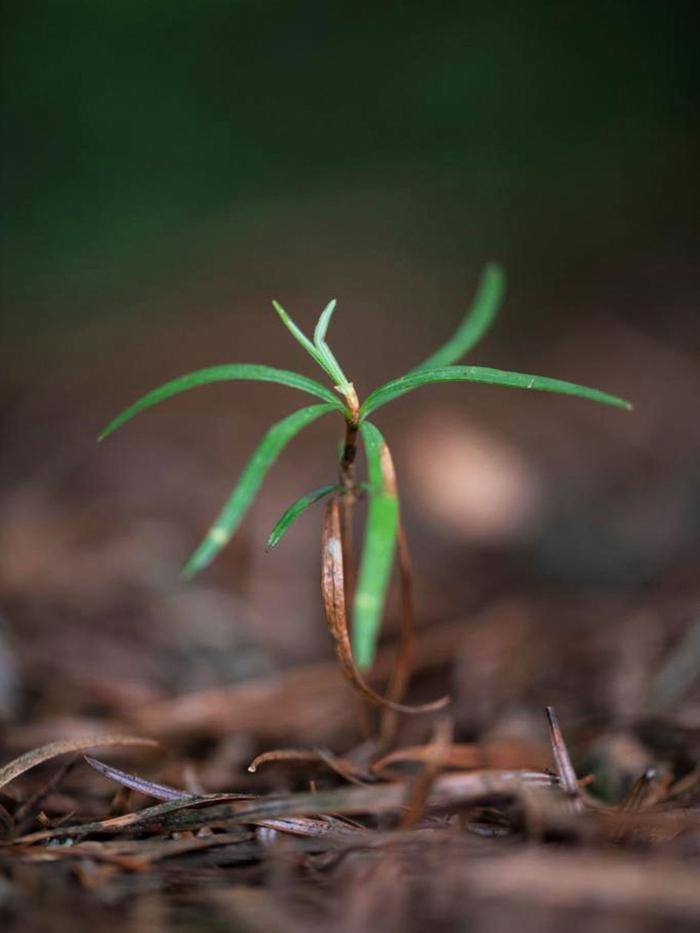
x=383 y=528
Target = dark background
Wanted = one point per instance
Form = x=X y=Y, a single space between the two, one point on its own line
x=237 y=149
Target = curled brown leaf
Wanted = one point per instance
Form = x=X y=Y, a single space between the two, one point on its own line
x=346 y=769
x=333 y=591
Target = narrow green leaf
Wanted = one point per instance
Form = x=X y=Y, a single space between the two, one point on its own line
x=226 y=373
x=300 y=336
x=379 y=547
x=323 y=322
x=414 y=380
x=295 y=510
x=250 y=481
x=332 y=365
x=476 y=322
x=333 y=368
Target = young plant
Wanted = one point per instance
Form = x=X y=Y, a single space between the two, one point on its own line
x=383 y=529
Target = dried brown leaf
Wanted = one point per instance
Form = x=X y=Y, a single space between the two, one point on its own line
x=44 y=753
x=346 y=769
x=230 y=809
x=333 y=590
x=134 y=782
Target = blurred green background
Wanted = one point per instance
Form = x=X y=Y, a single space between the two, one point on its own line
x=224 y=149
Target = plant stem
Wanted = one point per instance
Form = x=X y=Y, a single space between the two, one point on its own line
x=347 y=506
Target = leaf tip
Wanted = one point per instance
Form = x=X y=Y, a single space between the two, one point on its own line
x=215 y=539
x=188 y=571
x=495 y=269
x=196 y=563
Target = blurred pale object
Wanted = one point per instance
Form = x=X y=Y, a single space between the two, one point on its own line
x=469 y=482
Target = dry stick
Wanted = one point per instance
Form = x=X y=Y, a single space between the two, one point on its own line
x=565 y=769
x=333 y=591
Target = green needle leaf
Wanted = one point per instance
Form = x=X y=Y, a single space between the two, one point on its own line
x=300 y=336
x=250 y=481
x=477 y=321
x=379 y=547
x=323 y=322
x=294 y=511
x=319 y=349
x=225 y=373
x=391 y=390
x=332 y=366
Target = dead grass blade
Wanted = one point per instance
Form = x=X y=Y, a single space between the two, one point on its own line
x=297 y=827
x=38 y=756
x=134 y=782
x=333 y=590
x=565 y=769
x=160 y=817
x=229 y=809
x=311 y=828
x=344 y=768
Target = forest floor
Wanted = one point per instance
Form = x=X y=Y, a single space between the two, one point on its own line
x=490 y=814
